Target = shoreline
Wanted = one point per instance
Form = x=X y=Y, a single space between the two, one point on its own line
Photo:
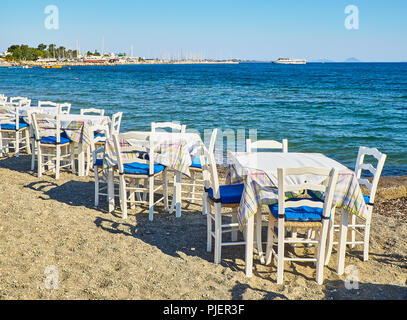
x=76 y=64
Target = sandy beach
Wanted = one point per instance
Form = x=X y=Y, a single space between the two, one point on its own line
x=45 y=222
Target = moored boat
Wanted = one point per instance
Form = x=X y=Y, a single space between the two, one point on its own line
x=290 y=61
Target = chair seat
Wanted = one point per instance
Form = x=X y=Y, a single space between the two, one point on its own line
x=53 y=140
x=99 y=163
x=301 y=214
x=12 y=127
x=141 y=168
x=196 y=163
x=228 y=193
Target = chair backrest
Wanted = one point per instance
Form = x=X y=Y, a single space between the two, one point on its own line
x=328 y=178
x=101 y=129
x=20 y=101
x=9 y=115
x=100 y=112
x=213 y=140
x=48 y=104
x=267 y=144
x=65 y=108
x=210 y=171
x=46 y=125
x=175 y=127
x=116 y=122
x=375 y=171
x=123 y=146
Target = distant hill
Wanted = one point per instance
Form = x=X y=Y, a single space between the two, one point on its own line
x=352 y=60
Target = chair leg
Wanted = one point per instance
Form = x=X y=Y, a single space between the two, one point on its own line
x=58 y=162
x=330 y=237
x=151 y=198
x=96 y=174
x=218 y=233
x=270 y=240
x=280 y=252
x=17 y=144
x=165 y=177
x=353 y=231
x=259 y=226
x=321 y=253
x=366 y=238
x=27 y=142
x=39 y=161
x=123 y=197
x=33 y=154
x=209 y=228
x=72 y=152
x=342 y=242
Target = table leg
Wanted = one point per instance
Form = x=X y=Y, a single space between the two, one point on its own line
x=249 y=246
x=81 y=160
x=259 y=236
x=178 y=180
x=342 y=242
x=110 y=189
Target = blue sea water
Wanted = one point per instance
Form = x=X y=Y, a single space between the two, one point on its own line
x=331 y=108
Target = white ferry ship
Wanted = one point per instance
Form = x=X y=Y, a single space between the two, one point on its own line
x=290 y=61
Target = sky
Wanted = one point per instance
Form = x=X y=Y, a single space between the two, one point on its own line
x=222 y=29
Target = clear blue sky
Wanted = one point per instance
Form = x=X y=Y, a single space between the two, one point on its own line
x=249 y=29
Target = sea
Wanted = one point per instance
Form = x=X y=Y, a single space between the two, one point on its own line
x=329 y=108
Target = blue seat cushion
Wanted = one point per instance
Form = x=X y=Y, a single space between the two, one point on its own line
x=99 y=162
x=229 y=193
x=367 y=199
x=141 y=168
x=10 y=126
x=196 y=163
x=53 y=140
x=99 y=134
x=302 y=214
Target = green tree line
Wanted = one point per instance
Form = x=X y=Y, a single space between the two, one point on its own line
x=26 y=53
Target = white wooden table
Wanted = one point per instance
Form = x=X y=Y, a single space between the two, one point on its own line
x=260 y=169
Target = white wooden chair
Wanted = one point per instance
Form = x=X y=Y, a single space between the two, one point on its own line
x=13 y=132
x=220 y=197
x=266 y=144
x=53 y=150
x=131 y=173
x=301 y=213
x=360 y=228
x=196 y=181
x=93 y=111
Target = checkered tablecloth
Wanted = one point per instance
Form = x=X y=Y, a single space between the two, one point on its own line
x=173 y=150
x=258 y=172
x=78 y=128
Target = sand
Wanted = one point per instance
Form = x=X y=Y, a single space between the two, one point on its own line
x=97 y=255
